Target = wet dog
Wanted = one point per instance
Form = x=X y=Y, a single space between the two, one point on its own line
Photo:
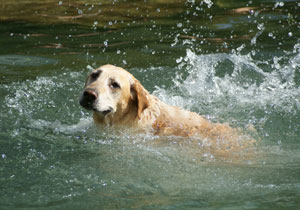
x=117 y=98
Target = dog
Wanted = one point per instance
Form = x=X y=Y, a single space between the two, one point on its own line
x=118 y=99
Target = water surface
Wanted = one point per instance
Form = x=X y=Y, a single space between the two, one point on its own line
x=233 y=62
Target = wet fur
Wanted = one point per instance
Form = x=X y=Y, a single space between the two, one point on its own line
x=136 y=108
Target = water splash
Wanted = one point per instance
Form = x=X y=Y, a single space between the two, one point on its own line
x=235 y=80
x=223 y=87
x=44 y=101
x=58 y=127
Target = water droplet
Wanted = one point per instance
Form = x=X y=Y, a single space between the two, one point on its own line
x=179 y=25
x=3 y=156
x=260 y=26
x=209 y=3
x=179 y=60
x=279 y=4
x=290 y=34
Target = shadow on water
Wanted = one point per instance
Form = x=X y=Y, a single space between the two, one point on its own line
x=235 y=62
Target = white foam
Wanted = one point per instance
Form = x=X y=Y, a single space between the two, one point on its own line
x=276 y=88
x=57 y=126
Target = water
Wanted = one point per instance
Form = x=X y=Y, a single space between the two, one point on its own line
x=242 y=68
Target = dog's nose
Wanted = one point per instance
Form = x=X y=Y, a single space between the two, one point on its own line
x=88 y=98
x=90 y=95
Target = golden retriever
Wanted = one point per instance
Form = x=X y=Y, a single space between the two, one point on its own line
x=117 y=98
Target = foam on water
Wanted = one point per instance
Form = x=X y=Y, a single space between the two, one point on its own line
x=226 y=82
x=45 y=97
x=58 y=127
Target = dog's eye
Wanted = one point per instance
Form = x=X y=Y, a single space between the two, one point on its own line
x=115 y=85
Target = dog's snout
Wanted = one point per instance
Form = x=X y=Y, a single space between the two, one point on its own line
x=88 y=98
x=90 y=95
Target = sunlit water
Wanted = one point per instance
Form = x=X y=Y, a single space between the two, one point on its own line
x=53 y=156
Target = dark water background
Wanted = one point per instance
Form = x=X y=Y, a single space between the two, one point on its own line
x=231 y=61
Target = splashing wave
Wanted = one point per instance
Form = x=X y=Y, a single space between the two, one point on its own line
x=225 y=82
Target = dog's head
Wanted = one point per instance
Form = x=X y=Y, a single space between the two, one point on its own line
x=112 y=91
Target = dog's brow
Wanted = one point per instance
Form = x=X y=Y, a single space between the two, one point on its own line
x=96 y=74
x=99 y=71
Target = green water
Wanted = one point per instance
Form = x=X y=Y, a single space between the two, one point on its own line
x=240 y=66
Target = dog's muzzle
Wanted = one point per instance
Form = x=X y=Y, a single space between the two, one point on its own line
x=88 y=98
x=88 y=101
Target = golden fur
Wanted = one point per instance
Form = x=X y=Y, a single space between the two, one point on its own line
x=117 y=98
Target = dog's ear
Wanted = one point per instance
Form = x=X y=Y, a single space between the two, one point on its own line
x=139 y=94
